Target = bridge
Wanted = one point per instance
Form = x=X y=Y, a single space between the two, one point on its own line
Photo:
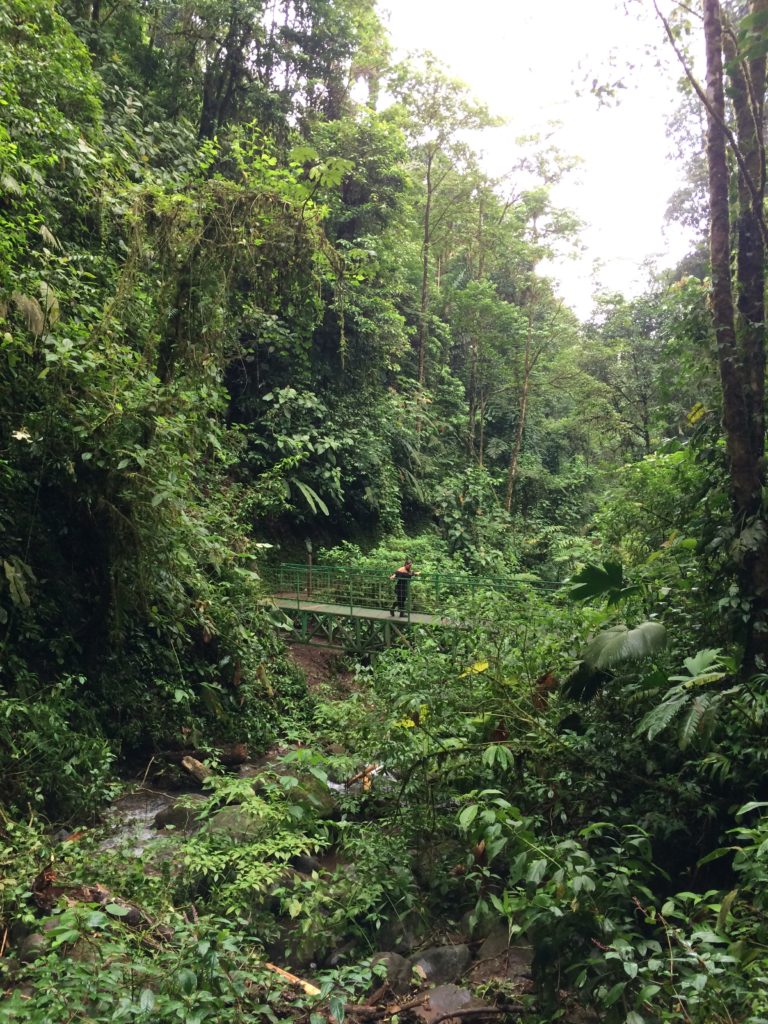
x=351 y=609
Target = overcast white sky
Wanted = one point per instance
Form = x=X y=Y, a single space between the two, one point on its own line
x=526 y=59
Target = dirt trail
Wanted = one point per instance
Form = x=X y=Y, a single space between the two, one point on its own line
x=321 y=664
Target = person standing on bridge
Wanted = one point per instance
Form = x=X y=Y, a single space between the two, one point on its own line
x=403 y=577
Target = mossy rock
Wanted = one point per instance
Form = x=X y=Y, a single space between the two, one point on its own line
x=312 y=795
x=239 y=822
x=182 y=813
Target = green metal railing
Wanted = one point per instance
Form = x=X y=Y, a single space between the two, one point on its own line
x=351 y=588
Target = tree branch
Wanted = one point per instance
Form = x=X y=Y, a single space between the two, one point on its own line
x=719 y=121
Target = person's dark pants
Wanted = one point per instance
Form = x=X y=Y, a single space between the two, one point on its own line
x=401 y=596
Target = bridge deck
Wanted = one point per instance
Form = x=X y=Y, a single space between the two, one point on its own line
x=291 y=604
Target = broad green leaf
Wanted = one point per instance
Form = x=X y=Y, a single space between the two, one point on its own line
x=619 y=643
x=614 y=993
x=468 y=815
x=594 y=580
x=536 y=871
x=187 y=980
x=147 y=1000
x=702 y=660
x=751 y=806
x=117 y=910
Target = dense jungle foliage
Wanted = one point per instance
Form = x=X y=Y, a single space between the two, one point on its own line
x=256 y=290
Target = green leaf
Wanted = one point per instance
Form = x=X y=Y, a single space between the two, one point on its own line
x=648 y=992
x=536 y=871
x=147 y=1000
x=187 y=981
x=313 y=499
x=619 y=643
x=702 y=660
x=594 y=580
x=614 y=993
x=468 y=815
x=96 y=919
x=692 y=721
x=117 y=910
x=658 y=718
x=751 y=806
x=725 y=908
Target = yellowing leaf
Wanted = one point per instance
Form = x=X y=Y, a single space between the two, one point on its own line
x=476 y=669
x=696 y=413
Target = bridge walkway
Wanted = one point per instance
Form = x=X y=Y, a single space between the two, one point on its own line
x=289 y=602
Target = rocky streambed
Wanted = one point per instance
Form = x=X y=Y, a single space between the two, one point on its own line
x=436 y=972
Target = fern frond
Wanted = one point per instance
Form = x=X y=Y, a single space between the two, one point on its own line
x=658 y=718
x=31 y=311
x=691 y=725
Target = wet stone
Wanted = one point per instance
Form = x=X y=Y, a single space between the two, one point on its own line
x=237 y=822
x=32 y=947
x=441 y=964
x=182 y=813
x=447 y=999
x=399 y=974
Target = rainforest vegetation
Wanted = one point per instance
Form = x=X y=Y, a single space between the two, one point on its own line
x=258 y=295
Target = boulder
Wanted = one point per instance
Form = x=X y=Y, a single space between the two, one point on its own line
x=307 y=792
x=498 y=958
x=441 y=964
x=496 y=942
x=314 y=796
x=182 y=813
x=401 y=934
x=447 y=999
x=32 y=947
x=399 y=974
x=305 y=863
x=238 y=822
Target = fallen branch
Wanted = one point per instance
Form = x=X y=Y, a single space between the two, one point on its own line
x=196 y=769
x=309 y=989
x=365 y=774
x=369 y=1012
x=477 y=1011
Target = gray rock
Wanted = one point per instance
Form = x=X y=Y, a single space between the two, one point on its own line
x=498 y=958
x=399 y=974
x=182 y=813
x=447 y=999
x=33 y=946
x=401 y=934
x=239 y=823
x=305 y=863
x=496 y=942
x=311 y=794
x=441 y=964
x=85 y=951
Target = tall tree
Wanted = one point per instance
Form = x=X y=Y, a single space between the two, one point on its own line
x=739 y=323
x=439 y=109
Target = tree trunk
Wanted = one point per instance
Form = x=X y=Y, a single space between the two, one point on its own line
x=740 y=337
x=528 y=365
x=424 y=302
x=473 y=357
x=512 y=474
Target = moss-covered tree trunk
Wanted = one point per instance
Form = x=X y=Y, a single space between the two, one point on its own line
x=740 y=326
